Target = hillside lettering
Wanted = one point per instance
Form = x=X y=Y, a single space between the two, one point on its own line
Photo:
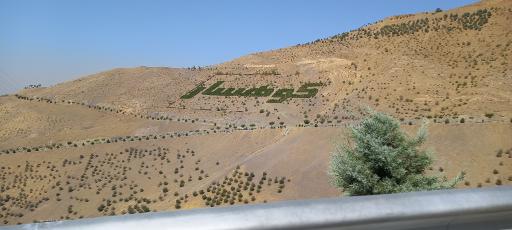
x=307 y=90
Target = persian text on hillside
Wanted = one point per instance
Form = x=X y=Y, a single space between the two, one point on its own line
x=307 y=90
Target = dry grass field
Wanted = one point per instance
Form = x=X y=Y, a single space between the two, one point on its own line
x=124 y=141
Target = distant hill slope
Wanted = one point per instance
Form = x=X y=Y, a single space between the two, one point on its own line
x=441 y=65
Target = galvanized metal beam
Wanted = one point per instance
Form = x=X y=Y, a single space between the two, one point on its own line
x=484 y=208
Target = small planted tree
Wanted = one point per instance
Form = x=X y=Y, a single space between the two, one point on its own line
x=380 y=158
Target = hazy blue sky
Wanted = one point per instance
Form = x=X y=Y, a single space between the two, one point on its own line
x=51 y=41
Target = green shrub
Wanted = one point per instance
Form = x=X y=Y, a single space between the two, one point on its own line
x=499 y=153
x=131 y=210
x=144 y=208
x=383 y=159
x=101 y=208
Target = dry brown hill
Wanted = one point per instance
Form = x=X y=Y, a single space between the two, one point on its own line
x=124 y=141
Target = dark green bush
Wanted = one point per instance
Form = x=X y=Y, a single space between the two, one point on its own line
x=384 y=159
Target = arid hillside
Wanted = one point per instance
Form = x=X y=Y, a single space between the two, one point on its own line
x=260 y=128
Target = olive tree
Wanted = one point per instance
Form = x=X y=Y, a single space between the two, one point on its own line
x=380 y=158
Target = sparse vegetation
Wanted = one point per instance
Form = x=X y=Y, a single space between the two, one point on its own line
x=90 y=147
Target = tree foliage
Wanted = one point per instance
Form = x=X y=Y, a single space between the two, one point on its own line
x=383 y=159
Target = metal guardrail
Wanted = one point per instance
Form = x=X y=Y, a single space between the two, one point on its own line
x=484 y=208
